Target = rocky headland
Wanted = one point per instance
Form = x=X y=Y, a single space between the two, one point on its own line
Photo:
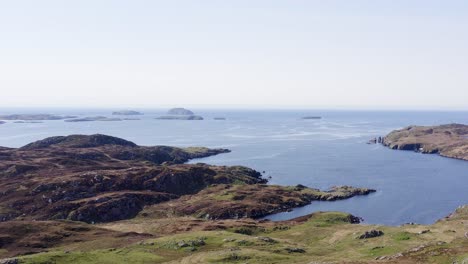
x=100 y=178
x=449 y=140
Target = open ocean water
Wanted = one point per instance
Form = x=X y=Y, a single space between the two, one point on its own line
x=411 y=187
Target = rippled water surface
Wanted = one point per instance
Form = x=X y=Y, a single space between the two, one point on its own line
x=411 y=187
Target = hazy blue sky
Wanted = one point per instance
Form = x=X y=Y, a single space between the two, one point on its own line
x=253 y=53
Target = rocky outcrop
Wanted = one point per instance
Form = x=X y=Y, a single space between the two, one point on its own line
x=371 y=234
x=126 y=112
x=250 y=201
x=32 y=117
x=447 y=140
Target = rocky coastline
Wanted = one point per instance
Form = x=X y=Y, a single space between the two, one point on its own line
x=449 y=140
x=91 y=198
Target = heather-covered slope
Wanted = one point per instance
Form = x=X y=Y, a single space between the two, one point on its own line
x=100 y=178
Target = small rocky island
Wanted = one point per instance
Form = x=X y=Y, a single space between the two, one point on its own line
x=34 y=117
x=180 y=114
x=179 y=111
x=446 y=140
x=126 y=112
x=93 y=118
x=2 y=122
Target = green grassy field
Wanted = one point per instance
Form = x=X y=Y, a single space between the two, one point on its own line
x=324 y=238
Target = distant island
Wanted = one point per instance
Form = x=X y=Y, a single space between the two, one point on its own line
x=219 y=118
x=93 y=118
x=126 y=112
x=191 y=117
x=312 y=117
x=179 y=111
x=31 y=117
x=180 y=114
x=2 y=122
x=446 y=140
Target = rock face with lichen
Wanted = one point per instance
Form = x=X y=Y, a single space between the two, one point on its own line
x=447 y=140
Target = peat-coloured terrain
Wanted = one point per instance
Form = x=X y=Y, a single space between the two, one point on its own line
x=102 y=199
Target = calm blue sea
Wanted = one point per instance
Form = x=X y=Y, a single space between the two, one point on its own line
x=411 y=187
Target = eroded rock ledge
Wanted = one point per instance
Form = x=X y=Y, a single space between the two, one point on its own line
x=447 y=140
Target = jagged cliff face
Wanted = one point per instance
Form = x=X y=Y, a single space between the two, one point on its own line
x=447 y=140
x=100 y=178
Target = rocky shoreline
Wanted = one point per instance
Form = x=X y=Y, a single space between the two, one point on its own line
x=99 y=178
x=94 y=198
x=446 y=140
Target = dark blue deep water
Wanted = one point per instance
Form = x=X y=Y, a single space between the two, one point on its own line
x=411 y=187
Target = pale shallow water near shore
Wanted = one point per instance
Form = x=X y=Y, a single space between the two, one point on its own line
x=411 y=187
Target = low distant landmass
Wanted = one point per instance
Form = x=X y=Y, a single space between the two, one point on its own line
x=180 y=114
x=181 y=117
x=31 y=117
x=126 y=112
x=312 y=117
x=93 y=118
x=27 y=122
x=449 y=140
x=2 y=122
x=219 y=118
